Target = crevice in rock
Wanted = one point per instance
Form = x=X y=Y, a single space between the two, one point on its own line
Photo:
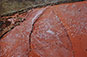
x=68 y=37
x=30 y=35
x=6 y=32
x=66 y=34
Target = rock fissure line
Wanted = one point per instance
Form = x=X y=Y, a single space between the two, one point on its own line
x=30 y=35
x=33 y=25
x=6 y=32
x=67 y=36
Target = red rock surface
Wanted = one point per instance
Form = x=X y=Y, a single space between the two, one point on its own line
x=52 y=31
x=74 y=18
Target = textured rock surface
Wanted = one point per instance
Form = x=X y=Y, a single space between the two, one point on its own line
x=74 y=18
x=52 y=31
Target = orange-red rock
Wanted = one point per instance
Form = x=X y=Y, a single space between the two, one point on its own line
x=52 y=31
x=74 y=18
